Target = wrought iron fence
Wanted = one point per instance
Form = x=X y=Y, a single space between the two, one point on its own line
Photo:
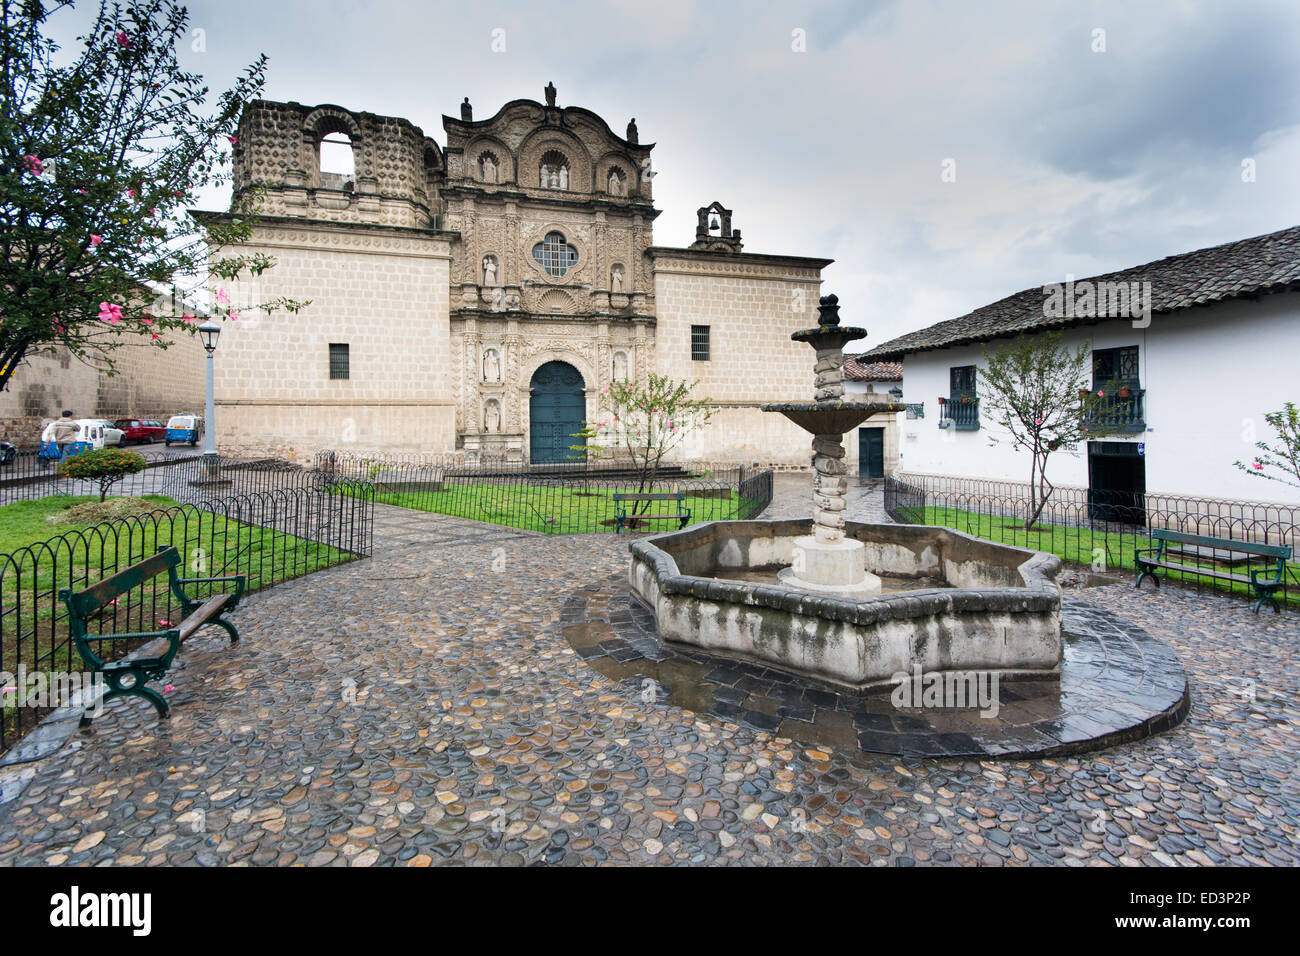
x=1103 y=529
x=564 y=498
x=269 y=536
x=184 y=476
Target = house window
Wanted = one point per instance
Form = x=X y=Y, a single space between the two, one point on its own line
x=555 y=255
x=1118 y=366
x=962 y=406
x=339 y=363
x=699 y=343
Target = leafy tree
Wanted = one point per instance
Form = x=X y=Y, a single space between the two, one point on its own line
x=107 y=466
x=649 y=420
x=99 y=160
x=1284 y=457
x=1037 y=390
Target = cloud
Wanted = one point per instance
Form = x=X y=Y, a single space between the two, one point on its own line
x=1067 y=160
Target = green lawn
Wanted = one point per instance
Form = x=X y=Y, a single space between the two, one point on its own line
x=553 y=509
x=32 y=629
x=1077 y=545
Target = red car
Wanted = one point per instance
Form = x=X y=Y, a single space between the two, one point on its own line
x=140 y=430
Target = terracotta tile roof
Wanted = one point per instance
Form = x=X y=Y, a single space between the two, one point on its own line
x=859 y=371
x=1269 y=263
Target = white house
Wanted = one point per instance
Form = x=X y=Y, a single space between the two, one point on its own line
x=1194 y=350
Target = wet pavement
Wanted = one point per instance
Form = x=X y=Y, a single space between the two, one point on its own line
x=425 y=707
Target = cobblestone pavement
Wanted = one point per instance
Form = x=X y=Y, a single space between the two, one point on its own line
x=423 y=707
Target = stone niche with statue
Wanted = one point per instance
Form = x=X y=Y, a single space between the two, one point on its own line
x=490 y=439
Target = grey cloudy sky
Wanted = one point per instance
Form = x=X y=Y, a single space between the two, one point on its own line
x=1067 y=160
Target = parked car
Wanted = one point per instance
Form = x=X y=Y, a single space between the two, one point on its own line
x=141 y=429
x=8 y=452
x=184 y=428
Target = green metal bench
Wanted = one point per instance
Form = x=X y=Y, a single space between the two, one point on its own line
x=131 y=676
x=623 y=519
x=1265 y=582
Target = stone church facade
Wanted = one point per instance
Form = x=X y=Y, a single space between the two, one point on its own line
x=480 y=296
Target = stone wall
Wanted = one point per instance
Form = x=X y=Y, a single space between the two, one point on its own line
x=149 y=382
x=751 y=304
x=383 y=293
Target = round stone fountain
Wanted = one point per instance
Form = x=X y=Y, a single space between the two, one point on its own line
x=955 y=602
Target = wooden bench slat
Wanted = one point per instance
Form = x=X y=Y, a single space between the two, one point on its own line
x=1227 y=544
x=205 y=611
x=657 y=496
x=98 y=595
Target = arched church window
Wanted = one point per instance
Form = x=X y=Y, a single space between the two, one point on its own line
x=335 y=150
x=554 y=170
x=554 y=254
x=489 y=167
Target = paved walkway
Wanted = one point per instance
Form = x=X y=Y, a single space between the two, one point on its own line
x=424 y=707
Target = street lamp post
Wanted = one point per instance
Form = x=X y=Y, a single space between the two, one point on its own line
x=209 y=332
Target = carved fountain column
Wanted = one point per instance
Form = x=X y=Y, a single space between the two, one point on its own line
x=825 y=561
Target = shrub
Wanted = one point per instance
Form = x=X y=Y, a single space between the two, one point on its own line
x=107 y=466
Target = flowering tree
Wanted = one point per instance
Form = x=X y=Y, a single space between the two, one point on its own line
x=647 y=421
x=98 y=162
x=1038 y=391
x=108 y=466
x=1284 y=457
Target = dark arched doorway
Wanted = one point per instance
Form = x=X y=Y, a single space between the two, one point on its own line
x=557 y=409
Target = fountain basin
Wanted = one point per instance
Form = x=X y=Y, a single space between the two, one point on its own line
x=1000 y=611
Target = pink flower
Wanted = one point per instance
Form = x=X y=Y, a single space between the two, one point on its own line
x=131 y=192
x=164 y=623
x=154 y=336
x=95 y=240
x=168 y=689
x=34 y=165
x=110 y=313
x=233 y=140
x=1101 y=394
x=146 y=321
x=122 y=39
x=1257 y=466
x=222 y=297
x=232 y=315
x=1038 y=421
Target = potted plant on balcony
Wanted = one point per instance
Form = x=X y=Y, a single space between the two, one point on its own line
x=1125 y=392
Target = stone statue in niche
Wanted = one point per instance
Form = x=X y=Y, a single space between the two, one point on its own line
x=615 y=183
x=489 y=270
x=620 y=366
x=489 y=168
x=616 y=279
x=492 y=416
x=564 y=177
x=491 y=366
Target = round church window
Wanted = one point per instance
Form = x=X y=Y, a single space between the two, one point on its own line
x=554 y=254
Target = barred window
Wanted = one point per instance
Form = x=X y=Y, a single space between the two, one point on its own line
x=555 y=255
x=339 y=365
x=699 y=343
